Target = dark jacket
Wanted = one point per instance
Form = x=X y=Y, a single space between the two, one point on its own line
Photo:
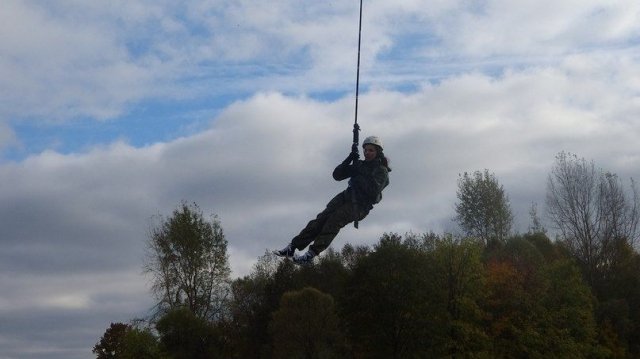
x=367 y=178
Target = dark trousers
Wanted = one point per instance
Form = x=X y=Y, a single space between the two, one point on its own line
x=325 y=227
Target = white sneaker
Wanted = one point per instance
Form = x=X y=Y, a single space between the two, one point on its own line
x=305 y=259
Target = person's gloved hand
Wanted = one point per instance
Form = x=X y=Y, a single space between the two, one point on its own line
x=353 y=156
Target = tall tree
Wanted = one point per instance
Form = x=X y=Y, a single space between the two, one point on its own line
x=112 y=343
x=569 y=324
x=483 y=210
x=459 y=275
x=253 y=298
x=305 y=326
x=140 y=343
x=539 y=303
x=185 y=336
x=591 y=210
x=390 y=308
x=536 y=224
x=188 y=260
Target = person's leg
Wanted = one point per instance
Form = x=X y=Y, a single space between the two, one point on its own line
x=339 y=218
x=314 y=227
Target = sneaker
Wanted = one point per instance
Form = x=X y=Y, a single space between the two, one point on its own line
x=286 y=252
x=305 y=259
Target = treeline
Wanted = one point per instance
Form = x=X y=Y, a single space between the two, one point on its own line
x=421 y=296
x=486 y=294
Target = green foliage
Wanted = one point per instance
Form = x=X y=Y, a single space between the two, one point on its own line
x=550 y=251
x=571 y=326
x=141 y=344
x=538 y=308
x=112 y=343
x=598 y=221
x=618 y=291
x=483 y=208
x=305 y=326
x=488 y=295
x=253 y=299
x=417 y=296
x=389 y=306
x=188 y=261
x=185 y=336
x=124 y=341
x=459 y=279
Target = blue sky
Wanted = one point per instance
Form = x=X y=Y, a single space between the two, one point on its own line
x=113 y=112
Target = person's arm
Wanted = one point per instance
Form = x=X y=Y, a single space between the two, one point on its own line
x=345 y=169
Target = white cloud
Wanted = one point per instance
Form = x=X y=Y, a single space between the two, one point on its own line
x=60 y=67
x=82 y=59
x=535 y=27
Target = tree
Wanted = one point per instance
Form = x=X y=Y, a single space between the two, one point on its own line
x=390 y=307
x=536 y=225
x=185 y=336
x=189 y=264
x=619 y=301
x=140 y=343
x=251 y=304
x=483 y=210
x=459 y=275
x=126 y=341
x=305 y=326
x=571 y=326
x=112 y=343
x=538 y=304
x=592 y=211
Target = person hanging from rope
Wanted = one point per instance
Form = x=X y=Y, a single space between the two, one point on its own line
x=367 y=179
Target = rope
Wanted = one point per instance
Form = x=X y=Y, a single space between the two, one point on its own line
x=356 y=127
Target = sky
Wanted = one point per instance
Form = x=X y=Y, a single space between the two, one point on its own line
x=115 y=112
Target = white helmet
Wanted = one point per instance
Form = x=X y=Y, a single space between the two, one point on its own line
x=373 y=140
